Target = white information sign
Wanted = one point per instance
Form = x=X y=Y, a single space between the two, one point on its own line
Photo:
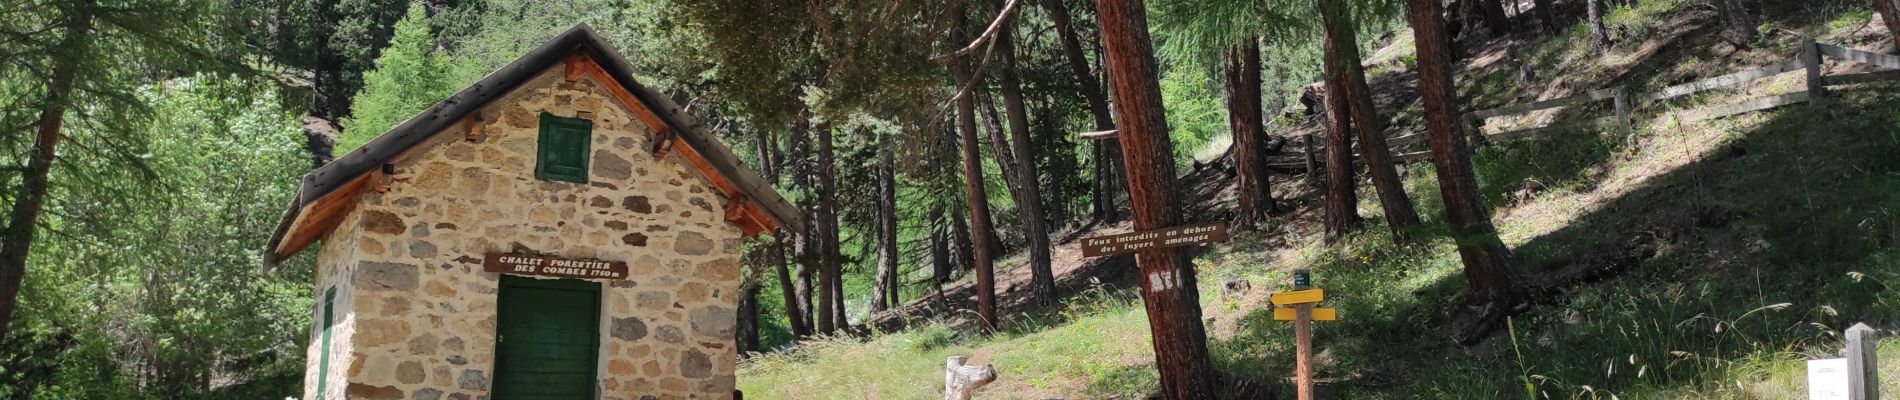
x=1827 y=379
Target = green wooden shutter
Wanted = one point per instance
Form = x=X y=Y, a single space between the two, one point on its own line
x=564 y=146
x=323 y=352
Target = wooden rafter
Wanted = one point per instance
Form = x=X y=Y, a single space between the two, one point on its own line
x=662 y=143
x=575 y=64
x=735 y=210
x=379 y=181
x=472 y=127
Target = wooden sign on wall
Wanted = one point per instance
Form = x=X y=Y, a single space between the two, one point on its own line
x=526 y=264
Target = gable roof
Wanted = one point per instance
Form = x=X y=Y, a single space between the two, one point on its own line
x=327 y=193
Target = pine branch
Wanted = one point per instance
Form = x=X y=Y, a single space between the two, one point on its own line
x=996 y=25
x=976 y=76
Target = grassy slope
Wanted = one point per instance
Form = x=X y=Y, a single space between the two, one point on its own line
x=1739 y=247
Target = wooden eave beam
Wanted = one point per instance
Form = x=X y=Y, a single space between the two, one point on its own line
x=317 y=219
x=585 y=65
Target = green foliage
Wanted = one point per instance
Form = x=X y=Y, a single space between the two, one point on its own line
x=1196 y=115
x=480 y=40
x=148 y=278
x=1202 y=31
x=409 y=77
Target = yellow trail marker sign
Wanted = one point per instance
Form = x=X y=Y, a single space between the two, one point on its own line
x=1299 y=296
x=1319 y=314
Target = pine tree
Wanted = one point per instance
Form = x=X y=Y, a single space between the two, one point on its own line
x=1344 y=69
x=974 y=191
x=346 y=36
x=1244 y=120
x=1599 y=35
x=1493 y=284
x=1107 y=156
x=1042 y=281
x=76 y=40
x=78 y=70
x=409 y=77
x=1168 y=285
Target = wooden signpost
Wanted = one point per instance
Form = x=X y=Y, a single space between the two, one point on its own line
x=529 y=264
x=1297 y=306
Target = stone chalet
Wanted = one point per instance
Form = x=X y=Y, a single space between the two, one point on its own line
x=555 y=231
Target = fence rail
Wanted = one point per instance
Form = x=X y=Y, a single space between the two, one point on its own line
x=1725 y=80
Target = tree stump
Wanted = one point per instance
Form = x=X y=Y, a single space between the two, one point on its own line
x=960 y=382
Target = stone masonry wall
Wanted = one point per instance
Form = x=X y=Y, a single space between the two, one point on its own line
x=336 y=261
x=424 y=311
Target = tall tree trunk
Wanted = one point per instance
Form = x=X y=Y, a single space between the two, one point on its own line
x=962 y=246
x=1494 y=16
x=770 y=163
x=1739 y=25
x=1599 y=34
x=1889 y=11
x=999 y=145
x=973 y=189
x=940 y=262
x=805 y=244
x=1005 y=160
x=1342 y=197
x=748 y=323
x=832 y=284
x=885 y=281
x=1491 y=275
x=1042 y=279
x=1547 y=15
x=1341 y=42
x=1244 y=121
x=23 y=221
x=1107 y=153
x=1466 y=21
x=1168 y=289
x=962 y=243
x=795 y=312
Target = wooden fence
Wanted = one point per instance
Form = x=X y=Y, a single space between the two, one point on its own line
x=1808 y=61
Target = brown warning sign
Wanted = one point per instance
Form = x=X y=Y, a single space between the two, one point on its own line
x=1154 y=239
x=524 y=264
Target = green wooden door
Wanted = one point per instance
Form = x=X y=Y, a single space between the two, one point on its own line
x=547 y=339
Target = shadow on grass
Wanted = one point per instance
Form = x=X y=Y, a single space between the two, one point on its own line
x=1518 y=170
